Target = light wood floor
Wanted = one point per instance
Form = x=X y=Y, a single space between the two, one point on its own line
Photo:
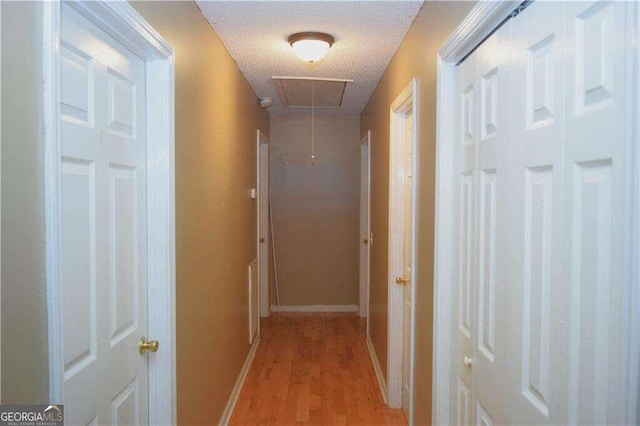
x=313 y=369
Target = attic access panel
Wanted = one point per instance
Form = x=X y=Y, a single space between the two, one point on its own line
x=299 y=92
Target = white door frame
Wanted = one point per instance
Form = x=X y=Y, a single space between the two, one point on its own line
x=478 y=24
x=405 y=102
x=125 y=25
x=364 y=281
x=263 y=284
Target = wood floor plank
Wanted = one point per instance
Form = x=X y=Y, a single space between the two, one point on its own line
x=313 y=369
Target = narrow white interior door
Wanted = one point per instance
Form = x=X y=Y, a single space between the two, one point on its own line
x=489 y=332
x=365 y=232
x=463 y=272
x=264 y=238
x=407 y=253
x=103 y=226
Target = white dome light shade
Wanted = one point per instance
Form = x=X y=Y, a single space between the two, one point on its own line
x=309 y=46
x=311 y=50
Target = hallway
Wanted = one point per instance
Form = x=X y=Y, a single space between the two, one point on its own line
x=277 y=212
x=313 y=369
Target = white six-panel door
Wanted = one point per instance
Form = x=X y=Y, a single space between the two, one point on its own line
x=103 y=226
x=407 y=253
x=539 y=202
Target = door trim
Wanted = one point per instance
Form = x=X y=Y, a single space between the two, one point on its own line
x=479 y=23
x=263 y=290
x=474 y=28
x=124 y=24
x=406 y=101
x=365 y=284
x=631 y=271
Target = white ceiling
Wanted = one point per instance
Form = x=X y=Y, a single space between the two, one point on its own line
x=367 y=35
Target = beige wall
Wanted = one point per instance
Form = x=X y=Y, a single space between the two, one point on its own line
x=24 y=314
x=416 y=57
x=216 y=120
x=315 y=208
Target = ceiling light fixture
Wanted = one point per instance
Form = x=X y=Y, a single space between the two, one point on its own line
x=311 y=46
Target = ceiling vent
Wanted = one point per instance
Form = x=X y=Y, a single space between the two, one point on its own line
x=301 y=92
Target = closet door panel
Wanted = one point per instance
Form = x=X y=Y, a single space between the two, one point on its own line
x=491 y=291
x=464 y=238
x=535 y=216
x=594 y=176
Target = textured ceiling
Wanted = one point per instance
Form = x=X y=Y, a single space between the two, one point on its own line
x=367 y=35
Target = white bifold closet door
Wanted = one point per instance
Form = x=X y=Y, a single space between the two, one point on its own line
x=540 y=179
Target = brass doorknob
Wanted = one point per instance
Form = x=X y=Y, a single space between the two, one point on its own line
x=262 y=240
x=365 y=241
x=402 y=280
x=151 y=345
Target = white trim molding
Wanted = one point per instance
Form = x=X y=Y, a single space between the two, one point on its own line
x=378 y=370
x=120 y=21
x=631 y=339
x=237 y=388
x=315 y=308
x=51 y=60
x=476 y=26
x=406 y=101
x=443 y=279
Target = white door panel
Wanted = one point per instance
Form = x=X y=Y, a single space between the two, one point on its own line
x=365 y=231
x=463 y=273
x=535 y=219
x=594 y=208
x=103 y=225
x=537 y=305
x=489 y=356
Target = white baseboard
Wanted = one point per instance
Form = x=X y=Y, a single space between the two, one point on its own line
x=316 y=308
x=233 y=399
x=376 y=366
